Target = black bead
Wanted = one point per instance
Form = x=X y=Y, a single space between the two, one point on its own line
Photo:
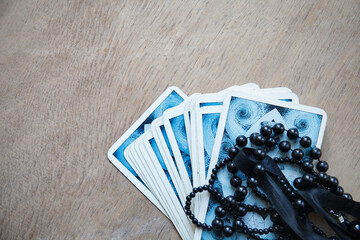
x=305 y=142
x=293 y=133
x=238 y=225
x=211 y=181
x=259 y=154
x=220 y=211
x=289 y=190
x=299 y=204
x=259 y=169
x=259 y=140
x=235 y=181
x=298 y=183
x=232 y=168
x=241 y=211
x=284 y=146
x=241 y=141
x=297 y=154
x=354 y=228
x=226 y=161
x=228 y=231
x=307 y=166
x=192 y=195
x=270 y=142
x=188 y=212
x=315 y=153
x=217 y=166
x=252 y=182
x=322 y=166
x=266 y=131
x=307 y=180
x=233 y=151
x=339 y=191
x=323 y=178
x=223 y=163
x=213 y=176
x=275 y=217
x=333 y=183
x=240 y=193
x=279 y=128
x=217 y=224
x=230 y=200
x=253 y=136
x=348 y=196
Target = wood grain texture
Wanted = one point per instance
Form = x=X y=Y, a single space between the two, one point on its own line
x=75 y=75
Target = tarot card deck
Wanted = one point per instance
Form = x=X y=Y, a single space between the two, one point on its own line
x=174 y=145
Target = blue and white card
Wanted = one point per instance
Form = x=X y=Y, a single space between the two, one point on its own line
x=155 y=165
x=139 y=154
x=174 y=124
x=173 y=96
x=166 y=152
x=242 y=113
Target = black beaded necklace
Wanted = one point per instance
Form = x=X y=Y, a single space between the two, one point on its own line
x=233 y=206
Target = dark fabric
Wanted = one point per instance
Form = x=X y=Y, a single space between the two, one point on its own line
x=319 y=199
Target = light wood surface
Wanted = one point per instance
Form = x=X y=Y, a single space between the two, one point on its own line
x=75 y=75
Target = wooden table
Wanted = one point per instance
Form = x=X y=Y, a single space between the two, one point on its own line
x=76 y=74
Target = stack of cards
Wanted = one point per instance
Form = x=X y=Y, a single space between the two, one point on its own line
x=174 y=145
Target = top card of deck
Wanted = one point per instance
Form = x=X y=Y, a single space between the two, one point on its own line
x=242 y=110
